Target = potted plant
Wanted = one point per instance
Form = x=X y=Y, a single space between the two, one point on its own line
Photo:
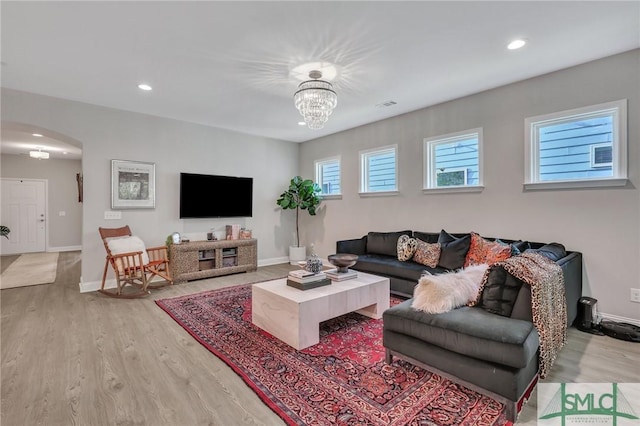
x=4 y=231
x=302 y=194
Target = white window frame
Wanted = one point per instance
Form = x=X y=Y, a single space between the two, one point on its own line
x=593 y=155
x=618 y=109
x=318 y=168
x=430 y=173
x=364 y=170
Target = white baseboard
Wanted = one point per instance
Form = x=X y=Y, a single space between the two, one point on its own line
x=273 y=261
x=616 y=318
x=63 y=248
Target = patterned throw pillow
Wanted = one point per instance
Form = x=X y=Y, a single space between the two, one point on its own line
x=406 y=247
x=427 y=254
x=485 y=251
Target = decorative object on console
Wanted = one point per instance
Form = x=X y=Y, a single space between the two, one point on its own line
x=315 y=99
x=435 y=294
x=175 y=238
x=233 y=232
x=342 y=261
x=245 y=234
x=302 y=194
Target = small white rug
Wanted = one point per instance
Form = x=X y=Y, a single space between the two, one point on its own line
x=30 y=269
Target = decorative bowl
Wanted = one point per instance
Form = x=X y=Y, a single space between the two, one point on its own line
x=342 y=261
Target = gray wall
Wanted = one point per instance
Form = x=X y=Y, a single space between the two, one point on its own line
x=64 y=232
x=174 y=147
x=601 y=223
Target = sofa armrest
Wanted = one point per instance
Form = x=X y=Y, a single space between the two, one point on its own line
x=355 y=246
x=571 y=266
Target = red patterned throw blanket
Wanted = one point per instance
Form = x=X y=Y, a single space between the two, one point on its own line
x=548 y=301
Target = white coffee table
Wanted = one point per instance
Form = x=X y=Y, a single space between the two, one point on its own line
x=294 y=316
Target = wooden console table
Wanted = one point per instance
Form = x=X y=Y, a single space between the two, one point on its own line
x=204 y=259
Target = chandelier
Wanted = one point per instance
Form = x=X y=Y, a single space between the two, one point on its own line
x=39 y=154
x=315 y=99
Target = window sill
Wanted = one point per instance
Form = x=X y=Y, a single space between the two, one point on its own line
x=331 y=196
x=453 y=190
x=379 y=194
x=580 y=184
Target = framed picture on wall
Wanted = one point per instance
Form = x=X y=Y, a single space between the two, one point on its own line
x=133 y=185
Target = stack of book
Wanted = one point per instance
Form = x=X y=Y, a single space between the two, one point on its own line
x=305 y=280
x=334 y=275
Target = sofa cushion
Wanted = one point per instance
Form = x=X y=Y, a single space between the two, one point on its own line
x=500 y=292
x=406 y=247
x=427 y=237
x=453 y=250
x=384 y=242
x=427 y=254
x=390 y=266
x=483 y=251
x=554 y=251
x=469 y=331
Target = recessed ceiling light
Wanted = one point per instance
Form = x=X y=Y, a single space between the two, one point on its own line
x=37 y=135
x=516 y=44
x=64 y=152
x=301 y=123
x=144 y=87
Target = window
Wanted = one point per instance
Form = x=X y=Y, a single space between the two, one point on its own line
x=453 y=161
x=328 y=176
x=378 y=170
x=577 y=148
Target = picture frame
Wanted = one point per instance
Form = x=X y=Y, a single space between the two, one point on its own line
x=133 y=185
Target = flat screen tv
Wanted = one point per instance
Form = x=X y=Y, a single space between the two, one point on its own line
x=203 y=196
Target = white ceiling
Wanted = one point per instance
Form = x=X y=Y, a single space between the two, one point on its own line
x=228 y=64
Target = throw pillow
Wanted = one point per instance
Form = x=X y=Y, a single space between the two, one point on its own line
x=406 y=247
x=436 y=294
x=553 y=251
x=482 y=250
x=427 y=254
x=453 y=251
x=121 y=245
x=517 y=247
x=500 y=292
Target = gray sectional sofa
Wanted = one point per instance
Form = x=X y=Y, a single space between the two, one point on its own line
x=488 y=350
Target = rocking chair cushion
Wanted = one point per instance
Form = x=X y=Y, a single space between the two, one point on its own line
x=120 y=245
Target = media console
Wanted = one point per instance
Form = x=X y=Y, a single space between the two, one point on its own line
x=204 y=259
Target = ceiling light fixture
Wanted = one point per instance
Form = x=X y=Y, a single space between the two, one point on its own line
x=315 y=99
x=516 y=44
x=144 y=87
x=37 y=135
x=39 y=154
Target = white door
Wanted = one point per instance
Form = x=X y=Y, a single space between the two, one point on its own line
x=24 y=212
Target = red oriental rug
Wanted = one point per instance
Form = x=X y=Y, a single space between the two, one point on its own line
x=343 y=380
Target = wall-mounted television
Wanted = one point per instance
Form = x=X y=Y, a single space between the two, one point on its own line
x=207 y=196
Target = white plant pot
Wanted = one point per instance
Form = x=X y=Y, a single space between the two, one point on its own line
x=297 y=254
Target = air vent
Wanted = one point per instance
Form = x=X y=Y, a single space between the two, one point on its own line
x=386 y=104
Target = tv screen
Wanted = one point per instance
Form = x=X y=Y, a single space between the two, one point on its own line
x=204 y=196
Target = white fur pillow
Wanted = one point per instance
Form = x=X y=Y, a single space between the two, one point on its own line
x=435 y=294
x=120 y=245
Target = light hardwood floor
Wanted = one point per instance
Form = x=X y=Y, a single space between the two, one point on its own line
x=86 y=359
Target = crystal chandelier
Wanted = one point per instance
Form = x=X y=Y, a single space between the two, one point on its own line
x=315 y=99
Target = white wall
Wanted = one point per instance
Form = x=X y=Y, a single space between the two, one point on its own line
x=601 y=223
x=174 y=147
x=64 y=232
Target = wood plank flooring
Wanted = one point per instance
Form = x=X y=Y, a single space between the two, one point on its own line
x=85 y=359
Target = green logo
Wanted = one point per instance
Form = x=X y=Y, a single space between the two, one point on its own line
x=610 y=403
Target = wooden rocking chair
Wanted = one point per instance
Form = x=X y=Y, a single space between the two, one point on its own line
x=133 y=263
